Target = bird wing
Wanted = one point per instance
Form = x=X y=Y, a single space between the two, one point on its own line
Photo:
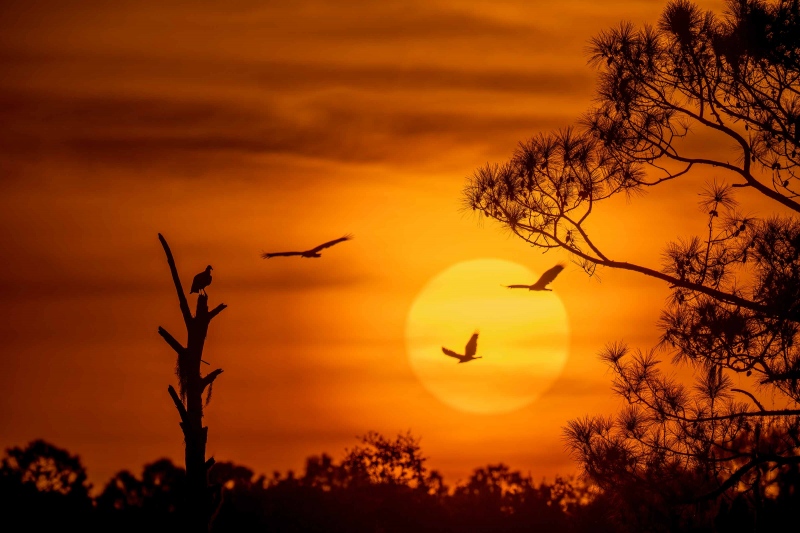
x=451 y=353
x=275 y=254
x=518 y=286
x=331 y=243
x=549 y=275
x=472 y=345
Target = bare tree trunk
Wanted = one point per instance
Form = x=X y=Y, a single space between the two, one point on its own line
x=201 y=500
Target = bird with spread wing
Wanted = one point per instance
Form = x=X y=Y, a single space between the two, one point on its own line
x=542 y=282
x=313 y=252
x=469 y=350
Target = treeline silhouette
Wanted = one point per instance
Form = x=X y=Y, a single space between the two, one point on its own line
x=381 y=485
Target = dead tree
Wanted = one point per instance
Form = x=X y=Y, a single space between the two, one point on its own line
x=201 y=500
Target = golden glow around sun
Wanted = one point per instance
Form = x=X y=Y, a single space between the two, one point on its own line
x=524 y=336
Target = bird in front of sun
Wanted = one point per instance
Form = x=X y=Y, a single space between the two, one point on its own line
x=543 y=281
x=469 y=351
x=201 y=281
x=313 y=252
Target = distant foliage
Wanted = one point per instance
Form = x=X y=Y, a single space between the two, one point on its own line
x=129 y=503
x=43 y=486
x=380 y=485
x=46 y=468
x=379 y=460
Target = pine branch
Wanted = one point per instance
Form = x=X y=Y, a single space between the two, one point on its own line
x=752 y=398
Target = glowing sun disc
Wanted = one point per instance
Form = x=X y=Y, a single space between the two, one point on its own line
x=523 y=340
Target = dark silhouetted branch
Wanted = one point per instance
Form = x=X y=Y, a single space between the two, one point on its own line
x=730 y=482
x=676 y=282
x=178 y=403
x=177 y=346
x=783 y=376
x=217 y=310
x=673 y=282
x=209 y=378
x=740 y=472
x=752 y=398
x=184 y=304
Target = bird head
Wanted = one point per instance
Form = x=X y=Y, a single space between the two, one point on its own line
x=209 y=267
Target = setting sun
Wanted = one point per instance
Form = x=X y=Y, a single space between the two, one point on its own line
x=523 y=336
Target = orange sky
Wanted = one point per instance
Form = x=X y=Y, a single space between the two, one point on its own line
x=258 y=127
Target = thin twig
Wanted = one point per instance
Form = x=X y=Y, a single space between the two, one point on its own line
x=761 y=407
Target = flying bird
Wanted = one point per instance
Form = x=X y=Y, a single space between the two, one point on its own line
x=469 y=350
x=542 y=282
x=314 y=252
x=201 y=281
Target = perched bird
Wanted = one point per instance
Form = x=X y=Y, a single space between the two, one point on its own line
x=314 y=252
x=469 y=350
x=201 y=281
x=541 y=283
